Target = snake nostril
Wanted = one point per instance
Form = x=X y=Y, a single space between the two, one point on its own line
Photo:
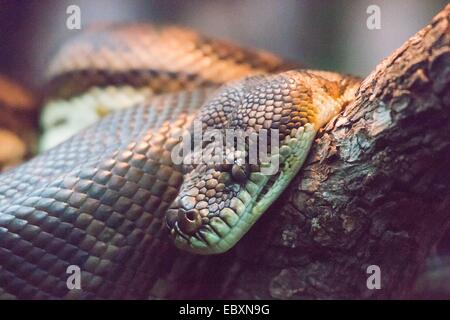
x=189 y=221
x=191 y=215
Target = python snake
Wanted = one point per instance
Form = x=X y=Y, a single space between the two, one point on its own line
x=109 y=199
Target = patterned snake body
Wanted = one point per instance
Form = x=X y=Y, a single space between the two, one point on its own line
x=109 y=198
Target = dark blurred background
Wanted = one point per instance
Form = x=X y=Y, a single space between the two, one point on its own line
x=319 y=34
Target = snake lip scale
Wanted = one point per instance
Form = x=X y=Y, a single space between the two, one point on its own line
x=104 y=193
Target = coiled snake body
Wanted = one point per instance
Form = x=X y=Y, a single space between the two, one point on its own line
x=110 y=198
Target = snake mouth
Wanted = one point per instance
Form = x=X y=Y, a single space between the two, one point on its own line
x=205 y=226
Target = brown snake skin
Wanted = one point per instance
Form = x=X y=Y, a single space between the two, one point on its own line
x=99 y=199
x=18 y=125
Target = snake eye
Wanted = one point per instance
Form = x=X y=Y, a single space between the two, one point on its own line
x=189 y=221
x=239 y=173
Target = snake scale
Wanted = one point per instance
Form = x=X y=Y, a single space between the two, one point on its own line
x=109 y=199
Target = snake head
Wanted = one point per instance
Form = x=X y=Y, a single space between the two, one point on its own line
x=204 y=216
x=219 y=202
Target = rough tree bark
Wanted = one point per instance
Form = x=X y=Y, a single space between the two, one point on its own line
x=375 y=191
